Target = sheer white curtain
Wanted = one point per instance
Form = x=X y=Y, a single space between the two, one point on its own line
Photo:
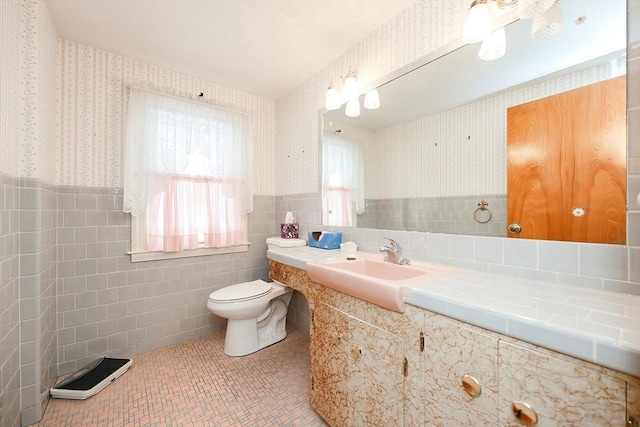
x=188 y=167
x=342 y=180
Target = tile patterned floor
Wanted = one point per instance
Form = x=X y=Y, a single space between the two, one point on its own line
x=195 y=384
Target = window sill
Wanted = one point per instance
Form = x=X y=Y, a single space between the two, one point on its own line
x=156 y=256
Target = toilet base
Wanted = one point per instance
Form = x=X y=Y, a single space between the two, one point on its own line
x=246 y=336
x=242 y=338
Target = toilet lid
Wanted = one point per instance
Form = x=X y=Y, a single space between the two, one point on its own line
x=241 y=292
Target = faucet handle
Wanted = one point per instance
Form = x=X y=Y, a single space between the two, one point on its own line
x=394 y=244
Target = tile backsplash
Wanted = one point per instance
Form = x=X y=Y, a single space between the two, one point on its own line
x=612 y=268
x=453 y=215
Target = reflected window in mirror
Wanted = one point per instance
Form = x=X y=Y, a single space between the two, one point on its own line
x=342 y=181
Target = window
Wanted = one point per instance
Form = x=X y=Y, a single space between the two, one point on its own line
x=187 y=177
x=342 y=181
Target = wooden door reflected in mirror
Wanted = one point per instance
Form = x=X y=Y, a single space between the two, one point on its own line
x=566 y=165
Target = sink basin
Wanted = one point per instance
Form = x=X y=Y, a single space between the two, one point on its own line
x=371 y=279
x=377 y=269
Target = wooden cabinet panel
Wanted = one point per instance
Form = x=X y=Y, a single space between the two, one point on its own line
x=633 y=399
x=452 y=351
x=560 y=392
x=329 y=364
x=376 y=380
x=356 y=371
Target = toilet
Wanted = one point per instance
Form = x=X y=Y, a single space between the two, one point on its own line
x=256 y=311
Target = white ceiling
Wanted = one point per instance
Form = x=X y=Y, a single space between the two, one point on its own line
x=264 y=47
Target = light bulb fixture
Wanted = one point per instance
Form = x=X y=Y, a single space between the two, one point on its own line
x=478 y=23
x=350 y=87
x=494 y=45
x=529 y=8
x=353 y=108
x=332 y=101
x=547 y=22
x=372 y=100
x=349 y=94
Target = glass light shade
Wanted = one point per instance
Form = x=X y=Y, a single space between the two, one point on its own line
x=333 y=99
x=478 y=23
x=350 y=88
x=528 y=8
x=353 y=108
x=372 y=100
x=494 y=45
x=548 y=23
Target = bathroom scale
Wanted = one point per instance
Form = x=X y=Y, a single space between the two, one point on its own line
x=89 y=380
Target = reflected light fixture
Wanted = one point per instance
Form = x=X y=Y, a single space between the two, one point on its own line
x=349 y=94
x=494 y=45
x=353 y=108
x=547 y=22
x=529 y=8
x=372 y=100
x=478 y=23
x=333 y=101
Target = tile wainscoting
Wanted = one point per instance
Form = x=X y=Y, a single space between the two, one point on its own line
x=70 y=294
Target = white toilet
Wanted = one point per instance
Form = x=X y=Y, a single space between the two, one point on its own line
x=256 y=313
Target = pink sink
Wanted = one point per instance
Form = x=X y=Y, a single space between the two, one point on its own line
x=373 y=280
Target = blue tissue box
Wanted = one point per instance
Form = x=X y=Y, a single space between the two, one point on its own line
x=325 y=239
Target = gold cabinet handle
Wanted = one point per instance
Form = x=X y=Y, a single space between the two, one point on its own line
x=524 y=413
x=471 y=385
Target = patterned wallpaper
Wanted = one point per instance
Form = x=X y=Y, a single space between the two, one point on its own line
x=27 y=90
x=92 y=114
x=470 y=140
x=10 y=15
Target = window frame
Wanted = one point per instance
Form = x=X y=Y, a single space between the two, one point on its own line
x=139 y=235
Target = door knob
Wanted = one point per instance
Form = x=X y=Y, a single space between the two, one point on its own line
x=515 y=228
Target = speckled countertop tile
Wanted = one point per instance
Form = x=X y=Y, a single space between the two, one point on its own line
x=597 y=326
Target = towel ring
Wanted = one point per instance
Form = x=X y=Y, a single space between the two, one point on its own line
x=482 y=207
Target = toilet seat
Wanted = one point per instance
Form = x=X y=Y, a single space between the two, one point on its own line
x=241 y=292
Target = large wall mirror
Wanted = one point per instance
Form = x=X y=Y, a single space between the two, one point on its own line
x=434 y=157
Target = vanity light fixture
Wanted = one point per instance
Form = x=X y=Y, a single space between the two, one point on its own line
x=547 y=22
x=349 y=94
x=353 y=108
x=372 y=100
x=478 y=23
x=494 y=45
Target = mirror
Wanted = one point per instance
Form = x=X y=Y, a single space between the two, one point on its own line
x=434 y=153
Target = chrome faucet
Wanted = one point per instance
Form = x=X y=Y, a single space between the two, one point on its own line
x=394 y=253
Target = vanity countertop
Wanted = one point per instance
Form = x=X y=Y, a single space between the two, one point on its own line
x=597 y=326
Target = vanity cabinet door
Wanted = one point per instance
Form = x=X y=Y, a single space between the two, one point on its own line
x=460 y=375
x=376 y=376
x=559 y=392
x=329 y=364
x=356 y=371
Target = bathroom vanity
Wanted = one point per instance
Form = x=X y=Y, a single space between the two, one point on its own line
x=375 y=366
